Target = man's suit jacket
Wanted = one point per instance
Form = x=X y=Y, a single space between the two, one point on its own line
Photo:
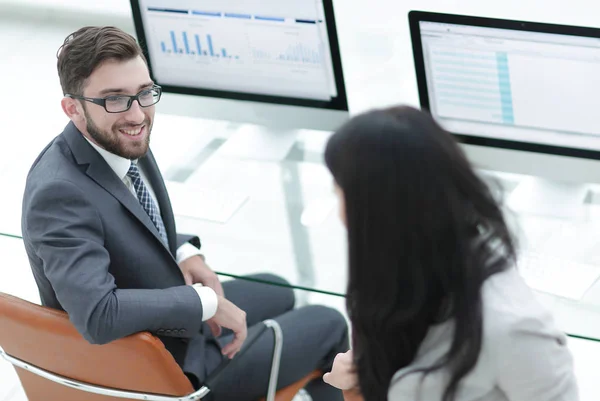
x=96 y=254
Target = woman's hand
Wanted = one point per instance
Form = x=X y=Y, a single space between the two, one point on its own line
x=342 y=373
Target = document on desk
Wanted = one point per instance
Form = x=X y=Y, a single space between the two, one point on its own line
x=558 y=276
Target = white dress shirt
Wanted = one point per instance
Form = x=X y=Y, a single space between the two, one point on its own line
x=120 y=166
x=524 y=357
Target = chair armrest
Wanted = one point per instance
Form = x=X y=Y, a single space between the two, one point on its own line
x=215 y=376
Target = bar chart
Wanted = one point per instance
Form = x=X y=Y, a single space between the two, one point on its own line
x=301 y=54
x=508 y=116
x=472 y=85
x=194 y=44
x=296 y=53
x=252 y=48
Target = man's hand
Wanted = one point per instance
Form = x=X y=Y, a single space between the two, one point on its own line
x=230 y=316
x=342 y=375
x=195 y=270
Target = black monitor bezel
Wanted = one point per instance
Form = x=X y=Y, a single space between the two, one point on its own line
x=338 y=103
x=415 y=17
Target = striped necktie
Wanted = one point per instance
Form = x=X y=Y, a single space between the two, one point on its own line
x=146 y=201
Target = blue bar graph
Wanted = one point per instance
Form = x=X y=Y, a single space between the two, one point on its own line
x=185 y=43
x=298 y=53
x=508 y=116
x=210 y=45
x=174 y=41
x=198 y=46
x=261 y=54
x=301 y=54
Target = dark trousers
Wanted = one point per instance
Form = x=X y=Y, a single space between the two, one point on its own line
x=312 y=337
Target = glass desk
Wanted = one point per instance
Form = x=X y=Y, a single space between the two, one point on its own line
x=270 y=231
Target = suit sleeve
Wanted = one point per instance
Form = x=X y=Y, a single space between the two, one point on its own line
x=67 y=235
x=192 y=239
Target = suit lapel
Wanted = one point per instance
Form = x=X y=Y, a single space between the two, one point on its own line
x=103 y=175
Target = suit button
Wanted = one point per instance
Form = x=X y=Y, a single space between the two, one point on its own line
x=160 y=332
x=182 y=332
x=168 y=332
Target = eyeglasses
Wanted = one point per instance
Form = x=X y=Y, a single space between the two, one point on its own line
x=122 y=103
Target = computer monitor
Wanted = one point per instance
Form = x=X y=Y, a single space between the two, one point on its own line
x=521 y=97
x=274 y=63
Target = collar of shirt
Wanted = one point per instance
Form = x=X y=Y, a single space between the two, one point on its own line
x=118 y=164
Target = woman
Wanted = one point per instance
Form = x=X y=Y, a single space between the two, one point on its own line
x=438 y=311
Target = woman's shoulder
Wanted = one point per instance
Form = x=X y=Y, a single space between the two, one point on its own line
x=510 y=306
x=515 y=327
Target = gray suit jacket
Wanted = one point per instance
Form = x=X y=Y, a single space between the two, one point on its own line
x=96 y=254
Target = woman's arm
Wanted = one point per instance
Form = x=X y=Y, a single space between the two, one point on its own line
x=534 y=366
x=353 y=395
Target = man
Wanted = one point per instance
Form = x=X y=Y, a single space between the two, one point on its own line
x=100 y=235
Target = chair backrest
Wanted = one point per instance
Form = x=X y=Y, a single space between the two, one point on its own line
x=45 y=337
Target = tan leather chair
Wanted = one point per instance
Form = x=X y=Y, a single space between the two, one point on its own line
x=54 y=362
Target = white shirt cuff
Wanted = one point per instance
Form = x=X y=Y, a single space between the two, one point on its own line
x=186 y=251
x=209 y=300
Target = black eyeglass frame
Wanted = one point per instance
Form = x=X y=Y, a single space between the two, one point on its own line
x=102 y=101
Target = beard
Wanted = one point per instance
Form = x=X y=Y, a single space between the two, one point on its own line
x=112 y=141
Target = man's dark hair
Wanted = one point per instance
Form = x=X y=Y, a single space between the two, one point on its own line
x=86 y=49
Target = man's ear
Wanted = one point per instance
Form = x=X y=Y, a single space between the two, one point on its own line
x=73 y=109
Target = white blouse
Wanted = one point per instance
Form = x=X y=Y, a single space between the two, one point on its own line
x=523 y=356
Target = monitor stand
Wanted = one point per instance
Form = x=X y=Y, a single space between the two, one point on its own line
x=259 y=143
x=544 y=197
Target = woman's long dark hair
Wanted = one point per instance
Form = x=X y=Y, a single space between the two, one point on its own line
x=424 y=233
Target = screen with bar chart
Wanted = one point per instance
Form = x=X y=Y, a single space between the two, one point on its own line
x=519 y=84
x=269 y=47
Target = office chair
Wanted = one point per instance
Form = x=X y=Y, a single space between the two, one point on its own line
x=54 y=362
